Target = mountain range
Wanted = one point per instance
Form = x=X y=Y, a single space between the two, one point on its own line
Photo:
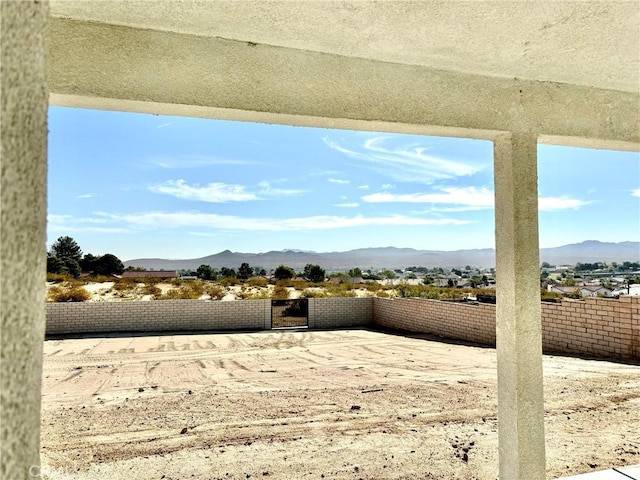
x=392 y=257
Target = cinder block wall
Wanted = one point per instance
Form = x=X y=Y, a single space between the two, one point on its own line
x=601 y=327
x=598 y=327
x=140 y=316
x=461 y=321
x=340 y=312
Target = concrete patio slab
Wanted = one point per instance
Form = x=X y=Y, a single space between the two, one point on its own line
x=618 y=473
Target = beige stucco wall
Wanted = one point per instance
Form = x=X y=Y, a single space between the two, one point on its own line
x=23 y=223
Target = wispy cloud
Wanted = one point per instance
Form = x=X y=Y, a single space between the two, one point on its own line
x=86 y=195
x=551 y=204
x=268 y=190
x=153 y=220
x=469 y=198
x=165 y=125
x=363 y=187
x=339 y=181
x=636 y=193
x=197 y=161
x=71 y=224
x=405 y=163
x=347 y=205
x=212 y=192
x=388 y=186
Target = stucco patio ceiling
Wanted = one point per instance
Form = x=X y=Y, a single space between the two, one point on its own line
x=568 y=71
x=583 y=43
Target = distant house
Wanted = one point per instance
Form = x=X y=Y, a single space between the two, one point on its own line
x=584 y=290
x=162 y=274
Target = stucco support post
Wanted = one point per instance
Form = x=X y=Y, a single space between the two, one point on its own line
x=518 y=328
x=23 y=166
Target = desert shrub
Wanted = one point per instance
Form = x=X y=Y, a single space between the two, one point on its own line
x=405 y=290
x=257 y=282
x=374 y=287
x=314 y=293
x=187 y=291
x=574 y=294
x=261 y=294
x=57 y=277
x=103 y=278
x=73 y=294
x=216 y=292
x=346 y=292
x=151 y=290
x=547 y=295
x=145 y=280
x=228 y=281
x=383 y=294
x=196 y=287
x=340 y=290
x=125 y=285
x=280 y=292
x=181 y=293
x=243 y=294
x=176 y=282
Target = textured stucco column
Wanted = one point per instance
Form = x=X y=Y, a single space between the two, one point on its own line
x=23 y=136
x=518 y=329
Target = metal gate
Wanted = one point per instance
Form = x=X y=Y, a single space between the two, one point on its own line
x=290 y=313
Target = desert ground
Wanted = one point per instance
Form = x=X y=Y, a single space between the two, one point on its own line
x=344 y=404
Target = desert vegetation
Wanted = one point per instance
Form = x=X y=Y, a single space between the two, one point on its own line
x=66 y=288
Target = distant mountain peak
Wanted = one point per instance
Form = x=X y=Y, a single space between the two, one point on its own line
x=394 y=257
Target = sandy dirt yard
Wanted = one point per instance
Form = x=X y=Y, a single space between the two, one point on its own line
x=353 y=404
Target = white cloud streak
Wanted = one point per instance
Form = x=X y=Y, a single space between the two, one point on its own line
x=635 y=193
x=267 y=190
x=347 y=205
x=68 y=223
x=552 y=204
x=339 y=181
x=407 y=163
x=212 y=193
x=197 y=161
x=154 y=220
x=469 y=198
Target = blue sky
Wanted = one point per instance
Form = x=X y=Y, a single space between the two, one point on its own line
x=140 y=185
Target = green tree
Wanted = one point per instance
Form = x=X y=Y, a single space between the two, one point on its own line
x=245 y=271
x=314 y=273
x=355 y=272
x=66 y=247
x=226 y=272
x=205 y=272
x=390 y=274
x=88 y=262
x=71 y=267
x=54 y=264
x=284 y=272
x=131 y=268
x=108 y=264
